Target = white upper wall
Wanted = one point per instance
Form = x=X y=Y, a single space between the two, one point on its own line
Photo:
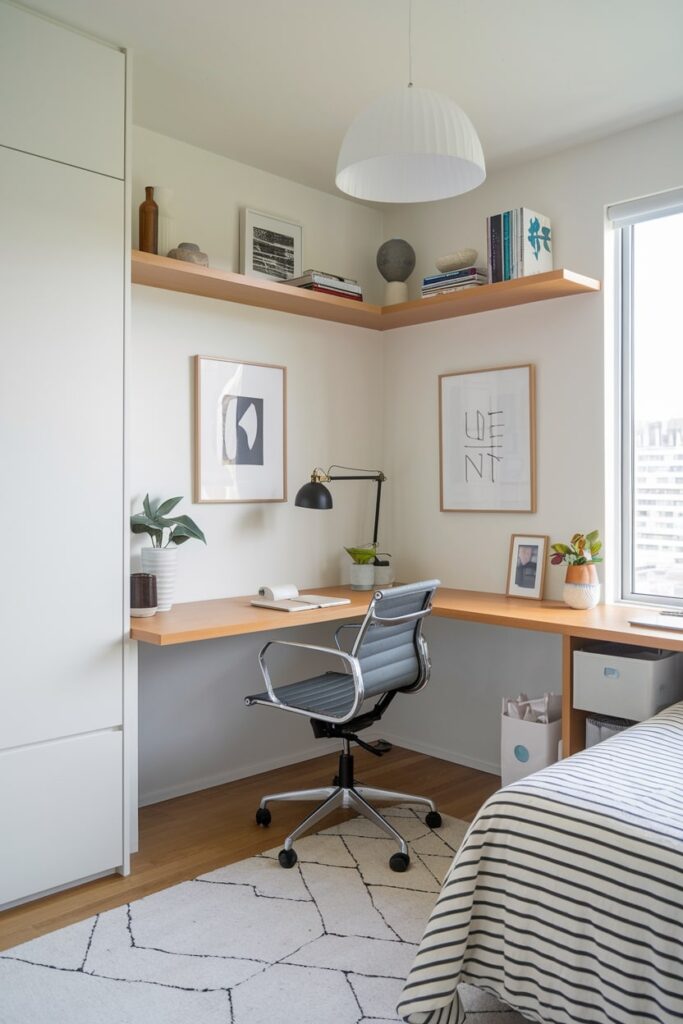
x=334 y=373
x=360 y=398
x=204 y=193
x=566 y=339
x=368 y=399
x=572 y=187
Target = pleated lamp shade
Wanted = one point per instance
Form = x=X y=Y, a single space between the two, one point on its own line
x=410 y=146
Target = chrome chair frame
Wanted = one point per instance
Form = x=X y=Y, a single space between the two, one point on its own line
x=345 y=792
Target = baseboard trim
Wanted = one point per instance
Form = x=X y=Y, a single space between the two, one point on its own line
x=157 y=796
x=454 y=756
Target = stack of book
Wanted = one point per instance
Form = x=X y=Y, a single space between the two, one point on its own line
x=329 y=284
x=452 y=281
x=519 y=244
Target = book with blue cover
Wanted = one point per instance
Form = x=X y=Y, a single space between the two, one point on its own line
x=520 y=244
x=450 y=275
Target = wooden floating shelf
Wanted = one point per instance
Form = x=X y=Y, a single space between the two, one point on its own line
x=176 y=276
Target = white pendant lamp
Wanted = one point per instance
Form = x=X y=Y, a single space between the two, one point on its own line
x=410 y=146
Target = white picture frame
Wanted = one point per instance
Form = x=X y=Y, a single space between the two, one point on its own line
x=270 y=248
x=526 y=565
x=487 y=440
x=240 y=431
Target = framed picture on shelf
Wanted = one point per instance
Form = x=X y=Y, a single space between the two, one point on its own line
x=526 y=567
x=487 y=440
x=240 y=431
x=269 y=247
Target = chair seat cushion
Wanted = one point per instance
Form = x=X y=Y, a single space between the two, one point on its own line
x=329 y=694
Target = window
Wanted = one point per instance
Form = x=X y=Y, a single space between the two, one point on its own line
x=650 y=244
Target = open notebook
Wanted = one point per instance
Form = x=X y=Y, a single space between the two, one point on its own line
x=286 y=598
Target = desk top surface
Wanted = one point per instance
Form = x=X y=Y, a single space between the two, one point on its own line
x=235 y=616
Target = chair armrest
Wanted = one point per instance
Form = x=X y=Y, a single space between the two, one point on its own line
x=345 y=625
x=352 y=662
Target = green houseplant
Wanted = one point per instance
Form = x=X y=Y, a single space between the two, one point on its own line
x=167 y=534
x=581 y=585
x=363 y=567
x=154 y=520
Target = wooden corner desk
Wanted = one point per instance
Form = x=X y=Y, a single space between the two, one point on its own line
x=235 y=616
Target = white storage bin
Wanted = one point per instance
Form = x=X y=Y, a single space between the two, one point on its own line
x=628 y=682
x=526 y=747
x=599 y=728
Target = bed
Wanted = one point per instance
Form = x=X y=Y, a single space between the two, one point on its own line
x=566 y=897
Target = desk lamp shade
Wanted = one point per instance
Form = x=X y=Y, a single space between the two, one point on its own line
x=412 y=145
x=313 y=495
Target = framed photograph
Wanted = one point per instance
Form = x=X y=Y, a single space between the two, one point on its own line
x=270 y=247
x=487 y=440
x=526 y=569
x=240 y=431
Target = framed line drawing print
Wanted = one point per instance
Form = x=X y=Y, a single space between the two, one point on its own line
x=240 y=431
x=270 y=247
x=487 y=440
x=526 y=567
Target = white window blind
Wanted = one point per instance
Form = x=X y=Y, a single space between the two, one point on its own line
x=648 y=208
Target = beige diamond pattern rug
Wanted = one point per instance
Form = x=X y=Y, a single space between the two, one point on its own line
x=329 y=941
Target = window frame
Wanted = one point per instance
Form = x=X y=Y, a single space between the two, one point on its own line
x=641 y=210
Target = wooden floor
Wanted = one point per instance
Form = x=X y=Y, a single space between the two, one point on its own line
x=182 y=838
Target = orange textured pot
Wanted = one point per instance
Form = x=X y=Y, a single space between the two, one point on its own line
x=581 y=586
x=587 y=573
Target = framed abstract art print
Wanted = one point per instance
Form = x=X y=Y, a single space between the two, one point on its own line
x=240 y=431
x=487 y=440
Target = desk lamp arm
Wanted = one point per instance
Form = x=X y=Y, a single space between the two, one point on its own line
x=319 y=476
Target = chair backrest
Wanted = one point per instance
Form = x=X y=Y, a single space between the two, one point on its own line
x=390 y=647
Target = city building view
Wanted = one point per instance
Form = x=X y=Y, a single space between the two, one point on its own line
x=658 y=508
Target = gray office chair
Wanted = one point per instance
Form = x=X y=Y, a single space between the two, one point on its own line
x=388 y=655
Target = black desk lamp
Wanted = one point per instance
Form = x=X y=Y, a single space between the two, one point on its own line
x=316 y=495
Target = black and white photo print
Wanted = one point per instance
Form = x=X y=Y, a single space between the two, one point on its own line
x=270 y=247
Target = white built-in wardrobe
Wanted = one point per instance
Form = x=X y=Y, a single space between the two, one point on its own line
x=63 y=272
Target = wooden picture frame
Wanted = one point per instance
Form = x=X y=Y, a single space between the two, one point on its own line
x=240 y=431
x=270 y=248
x=526 y=565
x=487 y=440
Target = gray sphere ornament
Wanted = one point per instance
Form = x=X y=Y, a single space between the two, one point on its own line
x=396 y=260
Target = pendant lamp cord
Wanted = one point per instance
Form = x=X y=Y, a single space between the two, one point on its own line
x=410 y=44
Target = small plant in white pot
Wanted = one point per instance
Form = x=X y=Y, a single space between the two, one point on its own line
x=581 y=585
x=363 y=568
x=167 y=534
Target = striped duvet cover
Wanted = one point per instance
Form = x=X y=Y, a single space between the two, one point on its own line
x=566 y=897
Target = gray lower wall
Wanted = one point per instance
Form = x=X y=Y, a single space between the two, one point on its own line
x=195 y=730
x=457 y=716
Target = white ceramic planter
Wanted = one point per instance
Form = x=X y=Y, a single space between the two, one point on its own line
x=581 y=595
x=162 y=563
x=582 y=586
x=362 y=576
x=384 y=575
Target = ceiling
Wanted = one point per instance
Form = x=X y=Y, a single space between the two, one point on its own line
x=275 y=83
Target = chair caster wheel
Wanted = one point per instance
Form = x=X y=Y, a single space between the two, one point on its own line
x=263 y=816
x=399 y=862
x=287 y=858
x=433 y=819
